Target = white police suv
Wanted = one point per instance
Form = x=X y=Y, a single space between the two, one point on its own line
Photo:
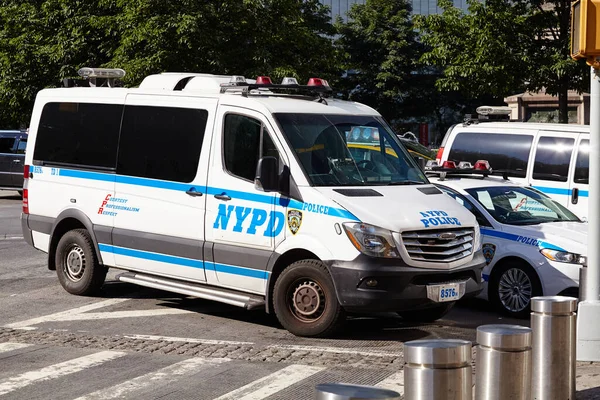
x=254 y=194
x=532 y=244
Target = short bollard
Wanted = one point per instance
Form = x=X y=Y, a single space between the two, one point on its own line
x=438 y=370
x=503 y=363
x=341 y=391
x=553 y=322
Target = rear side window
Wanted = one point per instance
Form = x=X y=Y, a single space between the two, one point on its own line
x=552 y=158
x=7 y=144
x=582 y=167
x=22 y=146
x=504 y=152
x=161 y=142
x=80 y=134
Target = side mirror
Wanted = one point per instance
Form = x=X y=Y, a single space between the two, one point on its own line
x=267 y=175
x=420 y=161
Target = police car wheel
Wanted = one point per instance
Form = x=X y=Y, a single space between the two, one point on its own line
x=427 y=315
x=305 y=302
x=511 y=287
x=77 y=266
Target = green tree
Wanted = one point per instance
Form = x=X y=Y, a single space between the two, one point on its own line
x=501 y=47
x=379 y=51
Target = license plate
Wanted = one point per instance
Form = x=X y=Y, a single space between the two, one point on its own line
x=446 y=292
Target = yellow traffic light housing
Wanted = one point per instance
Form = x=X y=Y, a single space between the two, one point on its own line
x=585 y=34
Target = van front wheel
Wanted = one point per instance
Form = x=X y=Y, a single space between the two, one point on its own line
x=77 y=266
x=305 y=302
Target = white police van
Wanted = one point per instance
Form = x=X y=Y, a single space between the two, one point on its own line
x=553 y=158
x=532 y=244
x=245 y=192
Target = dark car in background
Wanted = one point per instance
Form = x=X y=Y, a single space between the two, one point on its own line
x=12 y=159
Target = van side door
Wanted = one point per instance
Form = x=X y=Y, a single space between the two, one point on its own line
x=242 y=222
x=7 y=148
x=160 y=189
x=579 y=179
x=553 y=154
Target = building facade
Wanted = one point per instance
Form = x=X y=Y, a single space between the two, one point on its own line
x=420 y=7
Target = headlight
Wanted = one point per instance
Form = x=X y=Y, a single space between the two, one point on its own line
x=371 y=240
x=563 y=256
x=477 y=241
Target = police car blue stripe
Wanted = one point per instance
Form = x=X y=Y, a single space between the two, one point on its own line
x=485 y=277
x=123 y=251
x=520 y=239
x=236 y=194
x=235 y=270
x=565 y=192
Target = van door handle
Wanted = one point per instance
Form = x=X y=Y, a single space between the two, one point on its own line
x=223 y=196
x=17 y=161
x=193 y=192
x=575 y=196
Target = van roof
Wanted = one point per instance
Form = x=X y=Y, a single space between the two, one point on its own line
x=209 y=86
x=514 y=127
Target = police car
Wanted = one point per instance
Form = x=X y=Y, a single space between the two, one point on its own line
x=251 y=193
x=532 y=244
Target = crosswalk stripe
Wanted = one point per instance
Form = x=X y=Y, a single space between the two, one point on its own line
x=4 y=347
x=272 y=384
x=57 y=370
x=394 y=382
x=163 y=376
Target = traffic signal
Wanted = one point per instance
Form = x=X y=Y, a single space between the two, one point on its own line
x=585 y=34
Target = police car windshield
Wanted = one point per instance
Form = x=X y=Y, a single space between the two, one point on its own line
x=349 y=150
x=516 y=205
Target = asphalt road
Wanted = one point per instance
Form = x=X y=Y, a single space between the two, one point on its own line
x=139 y=343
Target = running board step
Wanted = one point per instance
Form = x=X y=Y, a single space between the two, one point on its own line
x=235 y=298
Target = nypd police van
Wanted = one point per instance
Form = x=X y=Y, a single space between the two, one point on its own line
x=250 y=193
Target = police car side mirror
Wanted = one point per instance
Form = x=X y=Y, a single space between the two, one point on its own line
x=420 y=161
x=267 y=174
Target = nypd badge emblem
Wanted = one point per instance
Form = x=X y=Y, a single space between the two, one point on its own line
x=488 y=252
x=294 y=218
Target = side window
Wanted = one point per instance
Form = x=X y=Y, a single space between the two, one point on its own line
x=504 y=152
x=582 y=167
x=463 y=201
x=22 y=146
x=243 y=146
x=552 y=158
x=7 y=144
x=83 y=134
x=161 y=142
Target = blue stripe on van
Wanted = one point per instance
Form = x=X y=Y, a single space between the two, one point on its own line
x=185 y=262
x=159 y=184
x=561 y=191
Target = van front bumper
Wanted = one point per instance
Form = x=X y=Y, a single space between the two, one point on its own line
x=399 y=287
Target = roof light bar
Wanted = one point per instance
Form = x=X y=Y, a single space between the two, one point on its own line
x=263 y=80
x=108 y=73
x=317 y=82
x=496 y=110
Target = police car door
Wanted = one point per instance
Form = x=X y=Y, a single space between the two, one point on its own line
x=241 y=221
x=159 y=200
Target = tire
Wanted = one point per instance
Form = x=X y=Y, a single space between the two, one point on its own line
x=77 y=266
x=307 y=280
x=428 y=314
x=511 y=287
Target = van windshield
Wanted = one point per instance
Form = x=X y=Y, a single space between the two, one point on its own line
x=516 y=205
x=348 y=150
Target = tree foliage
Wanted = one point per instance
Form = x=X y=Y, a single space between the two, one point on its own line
x=503 y=47
x=44 y=41
x=379 y=50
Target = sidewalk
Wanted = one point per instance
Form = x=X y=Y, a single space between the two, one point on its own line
x=588 y=381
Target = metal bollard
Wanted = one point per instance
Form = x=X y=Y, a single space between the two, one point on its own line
x=341 y=391
x=438 y=370
x=582 y=282
x=553 y=322
x=503 y=363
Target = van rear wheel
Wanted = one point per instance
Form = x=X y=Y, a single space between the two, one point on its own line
x=77 y=266
x=305 y=301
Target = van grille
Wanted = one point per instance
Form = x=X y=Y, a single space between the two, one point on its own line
x=440 y=245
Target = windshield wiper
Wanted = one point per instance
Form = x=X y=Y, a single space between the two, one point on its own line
x=408 y=182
